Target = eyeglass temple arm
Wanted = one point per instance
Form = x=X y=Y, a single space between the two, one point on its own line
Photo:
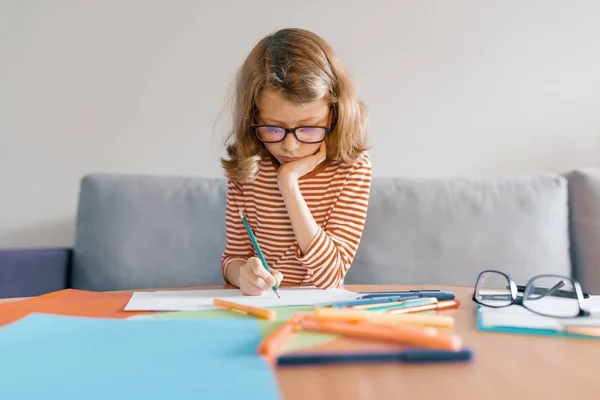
x=543 y=292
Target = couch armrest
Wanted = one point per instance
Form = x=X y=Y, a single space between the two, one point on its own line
x=31 y=272
x=584 y=202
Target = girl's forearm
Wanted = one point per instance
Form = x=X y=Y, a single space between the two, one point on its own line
x=303 y=223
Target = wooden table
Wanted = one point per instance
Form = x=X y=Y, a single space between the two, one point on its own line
x=506 y=366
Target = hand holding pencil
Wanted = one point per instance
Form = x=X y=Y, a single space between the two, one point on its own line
x=255 y=279
x=256 y=271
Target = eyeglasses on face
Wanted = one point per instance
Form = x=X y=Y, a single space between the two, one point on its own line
x=548 y=295
x=303 y=134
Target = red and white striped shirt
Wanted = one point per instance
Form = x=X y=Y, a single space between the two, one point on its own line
x=337 y=195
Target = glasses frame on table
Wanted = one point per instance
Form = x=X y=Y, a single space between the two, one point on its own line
x=516 y=299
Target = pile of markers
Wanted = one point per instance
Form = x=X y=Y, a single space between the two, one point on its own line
x=408 y=319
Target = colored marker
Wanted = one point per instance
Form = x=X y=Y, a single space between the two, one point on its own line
x=441 y=305
x=412 y=356
x=352 y=315
x=428 y=339
x=276 y=340
x=400 y=304
x=438 y=294
x=264 y=313
x=360 y=302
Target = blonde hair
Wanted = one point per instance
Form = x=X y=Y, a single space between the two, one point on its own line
x=303 y=68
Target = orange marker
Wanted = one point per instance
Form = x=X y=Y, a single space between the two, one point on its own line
x=390 y=333
x=250 y=310
x=441 y=305
x=350 y=315
x=271 y=345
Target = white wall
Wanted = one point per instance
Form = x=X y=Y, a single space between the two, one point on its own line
x=136 y=86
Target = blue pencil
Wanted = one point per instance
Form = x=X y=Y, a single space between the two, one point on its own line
x=257 y=248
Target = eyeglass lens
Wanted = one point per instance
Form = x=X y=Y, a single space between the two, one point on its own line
x=303 y=134
x=553 y=296
x=493 y=289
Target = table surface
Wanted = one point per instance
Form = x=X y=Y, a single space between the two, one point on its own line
x=504 y=365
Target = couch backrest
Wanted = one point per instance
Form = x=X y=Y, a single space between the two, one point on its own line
x=446 y=231
x=148 y=231
x=152 y=231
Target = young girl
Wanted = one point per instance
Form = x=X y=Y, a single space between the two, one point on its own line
x=297 y=166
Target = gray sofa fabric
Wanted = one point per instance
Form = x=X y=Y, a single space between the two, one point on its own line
x=157 y=231
x=445 y=231
x=584 y=198
x=148 y=231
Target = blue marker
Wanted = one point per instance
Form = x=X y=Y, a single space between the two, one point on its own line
x=412 y=356
x=375 y=300
x=440 y=295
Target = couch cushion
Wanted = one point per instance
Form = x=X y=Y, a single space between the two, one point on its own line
x=148 y=232
x=584 y=195
x=445 y=231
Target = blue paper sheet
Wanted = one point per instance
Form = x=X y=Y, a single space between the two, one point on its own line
x=46 y=356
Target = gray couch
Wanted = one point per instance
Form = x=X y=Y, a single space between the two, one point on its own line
x=156 y=231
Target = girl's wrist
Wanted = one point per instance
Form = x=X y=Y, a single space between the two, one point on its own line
x=286 y=181
x=232 y=272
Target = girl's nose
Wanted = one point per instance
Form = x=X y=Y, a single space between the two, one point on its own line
x=290 y=143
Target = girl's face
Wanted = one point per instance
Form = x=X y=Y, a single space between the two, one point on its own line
x=274 y=110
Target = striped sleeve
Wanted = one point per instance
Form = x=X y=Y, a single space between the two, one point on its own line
x=238 y=245
x=332 y=251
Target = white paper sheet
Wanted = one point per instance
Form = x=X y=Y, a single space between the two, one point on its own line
x=195 y=300
x=517 y=316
